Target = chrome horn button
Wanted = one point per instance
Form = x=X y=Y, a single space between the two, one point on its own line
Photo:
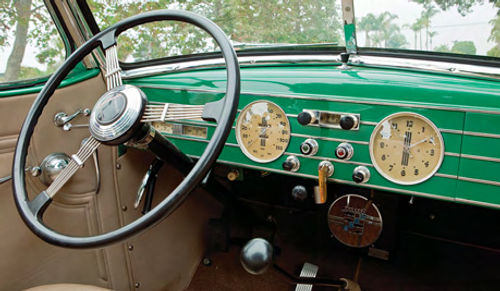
x=116 y=115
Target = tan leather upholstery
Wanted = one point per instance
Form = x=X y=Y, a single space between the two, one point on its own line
x=67 y=287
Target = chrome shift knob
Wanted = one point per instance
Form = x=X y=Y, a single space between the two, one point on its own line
x=256 y=256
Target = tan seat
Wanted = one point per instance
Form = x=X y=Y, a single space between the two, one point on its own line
x=67 y=287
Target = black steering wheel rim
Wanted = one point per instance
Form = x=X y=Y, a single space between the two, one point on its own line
x=105 y=39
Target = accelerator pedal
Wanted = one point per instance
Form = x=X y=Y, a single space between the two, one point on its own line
x=308 y=271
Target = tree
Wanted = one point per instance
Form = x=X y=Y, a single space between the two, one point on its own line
x=367 y=24
x=463 y=47
x=32 y=25
x=495 y=33
x=463 y=6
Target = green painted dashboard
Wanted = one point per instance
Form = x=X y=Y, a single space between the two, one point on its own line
x=466 y=111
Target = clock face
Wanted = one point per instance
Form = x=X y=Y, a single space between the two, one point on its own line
x=263 y=131
x=406 y=148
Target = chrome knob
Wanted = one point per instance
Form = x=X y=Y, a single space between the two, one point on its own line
x=361 y=174
x=309 y=147
x=344 y=151
x=52 y=165
x=291 y=164
x=256 y=256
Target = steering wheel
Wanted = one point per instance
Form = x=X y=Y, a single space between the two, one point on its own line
x=122 y=114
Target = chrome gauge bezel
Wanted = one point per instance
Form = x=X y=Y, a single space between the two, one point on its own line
x=240 y=143
x=426 y=120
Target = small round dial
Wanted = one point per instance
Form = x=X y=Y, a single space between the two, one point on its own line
x=406 y=148
x=263 y=131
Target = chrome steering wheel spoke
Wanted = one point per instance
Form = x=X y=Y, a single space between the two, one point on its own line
x=113 y=76
x=76 y=162
x=158 y=111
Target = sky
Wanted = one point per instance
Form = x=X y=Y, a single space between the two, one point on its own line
x=449 y=25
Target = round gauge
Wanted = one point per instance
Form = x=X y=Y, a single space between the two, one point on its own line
x=406 y=148
x=263 y=131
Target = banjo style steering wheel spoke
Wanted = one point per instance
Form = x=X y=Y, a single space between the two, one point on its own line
x=113 y=77
x=157 y=111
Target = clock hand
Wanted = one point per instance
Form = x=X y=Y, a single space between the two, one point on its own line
x=421 y=141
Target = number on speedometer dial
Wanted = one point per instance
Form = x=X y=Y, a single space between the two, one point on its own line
x=263 y=131
x=406 y=148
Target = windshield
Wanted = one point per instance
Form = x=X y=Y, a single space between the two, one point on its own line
x=470 y=27
x=248 y=23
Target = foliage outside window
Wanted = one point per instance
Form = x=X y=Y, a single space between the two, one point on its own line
x=469 y=27
x=246 y=22
x=30 y=44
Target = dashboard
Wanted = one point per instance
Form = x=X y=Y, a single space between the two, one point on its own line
x=408 y=132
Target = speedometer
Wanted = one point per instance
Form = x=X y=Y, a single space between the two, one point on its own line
x=406 y=148
x=263 y=131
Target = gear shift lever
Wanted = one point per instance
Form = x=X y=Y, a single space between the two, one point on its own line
x=256 y=256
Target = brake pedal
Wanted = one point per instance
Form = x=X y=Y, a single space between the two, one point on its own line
x=308 y=271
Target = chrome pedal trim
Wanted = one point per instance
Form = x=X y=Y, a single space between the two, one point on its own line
x=308 y=271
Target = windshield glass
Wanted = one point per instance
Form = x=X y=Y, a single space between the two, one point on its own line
x=248 y=23
x=469 y=27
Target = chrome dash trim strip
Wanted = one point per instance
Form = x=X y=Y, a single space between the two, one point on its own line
x=329 y=138
x=372 y=123
x=482 y=134
x=484 y=204
x=330 y=99
x=479 y=181
x=356 y=60
x=446 y=176
x=329 y=159
x=453 y=131
x=481 y=158
x=452 y=154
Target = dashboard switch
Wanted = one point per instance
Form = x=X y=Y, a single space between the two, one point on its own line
x=291 y=164
x=361 y=174
x=307 y=117
x=344 y=151
x=309 y=147
x=348 y=121
x=299 y=193
x=325 y=170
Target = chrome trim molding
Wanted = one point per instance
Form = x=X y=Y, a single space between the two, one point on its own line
x=330 y=98
x=479 y=181
x=484 y=204
x=482 y=134
x=446 y=176
x=329 y=159
x=355 y=60
x=372 y=123
x=481 y=158
x=329 y=138
x=452 y=154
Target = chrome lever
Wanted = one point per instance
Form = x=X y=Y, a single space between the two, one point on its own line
x=35 y=172
x=68 y=126
x=61 y=118
x=142 y=188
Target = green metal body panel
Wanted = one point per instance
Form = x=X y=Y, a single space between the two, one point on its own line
x=79 y=74
x=451 y=102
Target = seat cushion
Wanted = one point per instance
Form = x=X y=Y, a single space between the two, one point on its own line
x=67 y=287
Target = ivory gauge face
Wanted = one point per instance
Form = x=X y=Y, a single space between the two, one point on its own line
x=263 y=131
x=406 y=148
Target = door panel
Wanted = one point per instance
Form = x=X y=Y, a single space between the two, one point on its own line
x=165 y=256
